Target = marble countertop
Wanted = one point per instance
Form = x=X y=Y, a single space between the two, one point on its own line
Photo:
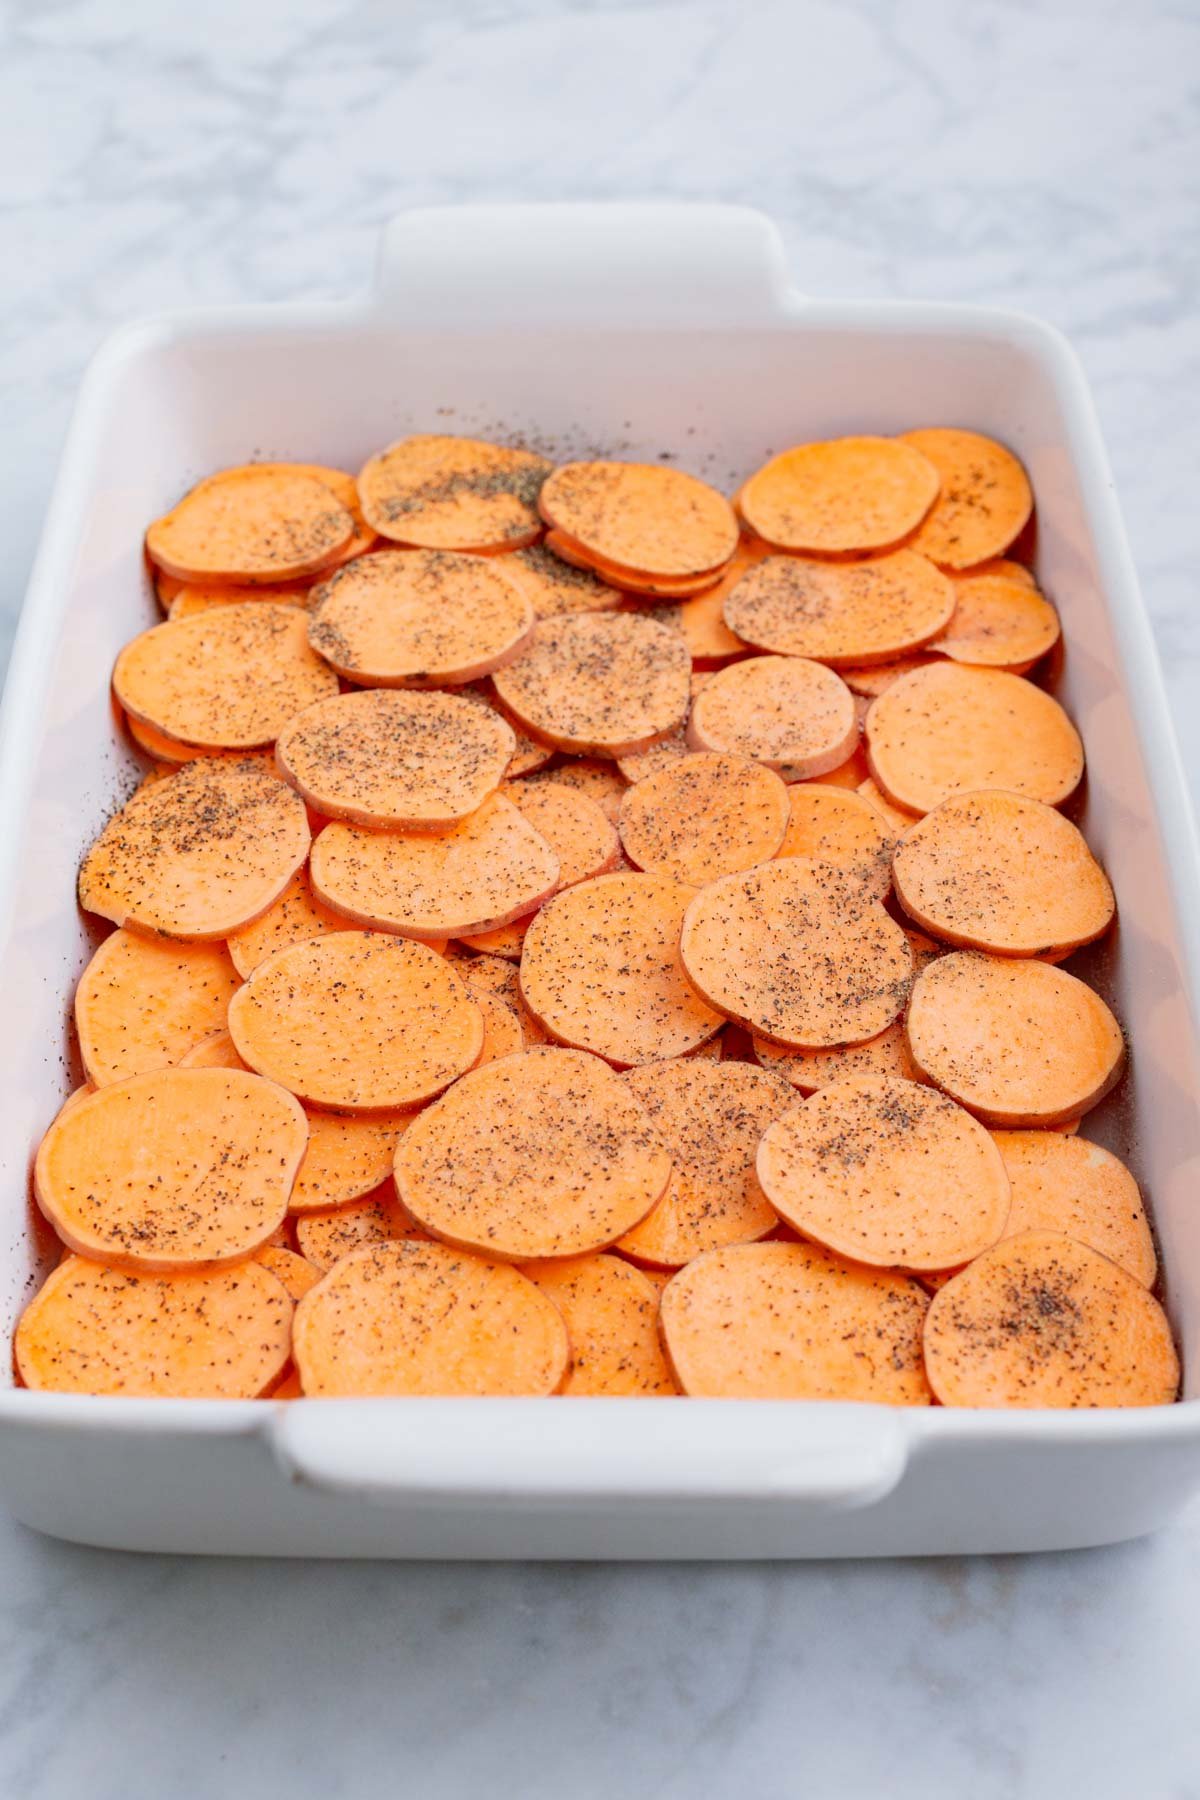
x=1041 y=156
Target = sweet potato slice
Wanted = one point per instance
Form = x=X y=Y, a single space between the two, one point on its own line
x=704 y=815
x=849 y=774
x=471 y=877
x=984 y=499
x=438 y=492
x=998 y=623
x=847 y=613
x=169 y=752
x=502 y=1034
x=251 y=525
x=794 y=715
x=295 y=917
x=190 y=601
x=897 y=818
x=794 y=952
x=543 y=1154
x=224 y=1334
x=1042 y=1320
x=348 y=1156
x=142 y=1003
x=490 y=974
x=216 y=1051
x=999 y=872
x=835 y=825
x=601 y=970
x=869 y=681
x=611 y=1314
x=326 y=1236
x=198 y=854
x=295 y=1273
x=710 y=1116
x=554 y=586
x=345 y=491
x=851 y=494
x=600 y=781
x=357 y=1022
x=949 y=729
x=415 y=1318
x=419 y=618
x=808 y=1070
x=634 y=584
x=599 y=683
x=407 y=760
x=1016 y=1041
x=787 y=1321
x=230 y=680
x=175 y=1169
x=506 y=940
x=575 y=826
x=886 y=1172
x=650 y=519
x=1063 y=1183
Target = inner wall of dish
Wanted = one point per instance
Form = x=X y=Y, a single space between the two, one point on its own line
x=179 y=405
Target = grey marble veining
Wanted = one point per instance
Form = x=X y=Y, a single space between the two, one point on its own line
x=1042 y=156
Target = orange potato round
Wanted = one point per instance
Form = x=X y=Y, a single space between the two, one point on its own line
x=1063 y=1183
x=847 y=613
x=1016 y=1041
x=169 y=752
x=663 y=755
x=949 y=730
x=787 y=1321
x=142 y=1003
x=575 y=826
x=838 y=826
x=849 y=774
x=506 y=940
x=471 y=877
x=327 y=1235
x=199 y=853
x=897 y=818
x=345 y=490
x=415 y=1318
x=219 y=1334
x=984 y=502
x=808 y=1070
x=601 y=970
x=489 y=974
x=543 y=1154
x=702 y=816
x=357 y=1022
x=453 y=493
x=296 y=1273
x=870 y=680
x=553 y=586
x=251 y=525
x=229 y=680
x=600 y=781
x=295 y=917
x=1042 y=1320
x=651 y=519
x=413 y=761
x=348 y=1156
x=886 y=1172
x=599 y=683
x=528 y=755
x=216 y=1051
x=710 y=1116
x=175 y=1169
x=795 y=953
x=1000 y=566
x=190 y=601
x=633 y=583
x=611 y=1315
x=794 y=715
x=999 y=872
x=502 y=1034
x=998 y=623
x=847 y=494
x=419 y=618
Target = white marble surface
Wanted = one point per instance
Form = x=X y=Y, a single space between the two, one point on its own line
x=1040 y=155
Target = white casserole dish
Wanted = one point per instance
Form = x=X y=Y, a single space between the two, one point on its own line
x=640 y=330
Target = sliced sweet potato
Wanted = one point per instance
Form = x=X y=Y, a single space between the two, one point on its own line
x=710 y=1116
x=1063 y=1183
x=949 y=730
x=502 y=1034
x=223 y=1334
x=1042 y=1320
x=835 y=825
x=600 y=781
x=794 y=952
x=868 y=682
x=601 y=970
x=575 y=826
x=216 y=1051
x=169 y=752
x=357 y=1022
x=886 y=1172
x=599 y=683
x=847 y=613
x=506 y=940
x=489 y=974
x=787 y=1321
x=849 y=774
x=326 y=1236
x=851 y=494
x=1016 y=1041
x=897 y=818
x=794 y=715
x=1000 y=872
x=345 y=490
x=611 y=1315
x=634 y=584
x=251 y=525
x=419 y=618
x=407 y=760
x=702 y=816
x=189 y=601
x=416 y=1318
x=348 y=1156
x=808 y=1070
x=648 y=518
x=142 y=1003
x=440 y=492
x=984 y=499
x=296 y=917
x=543 y=1154
x=471 y=877
x=999 y=623
x=553 y=586
x=295 y=1273
x=198 y=854
x=175 y=1169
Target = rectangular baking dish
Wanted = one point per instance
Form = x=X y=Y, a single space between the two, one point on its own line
x=644 y=331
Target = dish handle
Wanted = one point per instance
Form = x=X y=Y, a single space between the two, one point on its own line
x=823 y=1454
x=606 y=264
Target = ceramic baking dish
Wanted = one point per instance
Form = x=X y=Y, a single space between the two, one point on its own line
x=645 y=331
